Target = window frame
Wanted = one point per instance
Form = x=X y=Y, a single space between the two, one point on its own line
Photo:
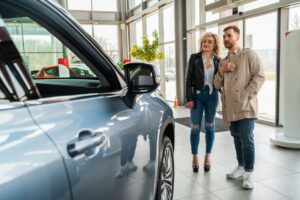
x=59 y=18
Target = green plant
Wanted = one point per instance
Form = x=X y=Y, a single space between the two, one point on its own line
x=147 y=52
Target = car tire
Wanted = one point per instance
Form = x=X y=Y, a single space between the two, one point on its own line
x=165 y=182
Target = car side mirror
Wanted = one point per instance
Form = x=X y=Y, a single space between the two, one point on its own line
x=140 y=77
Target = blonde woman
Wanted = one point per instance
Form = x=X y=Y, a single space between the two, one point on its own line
x=201 y=95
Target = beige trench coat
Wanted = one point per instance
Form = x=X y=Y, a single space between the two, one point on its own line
x=240 y=88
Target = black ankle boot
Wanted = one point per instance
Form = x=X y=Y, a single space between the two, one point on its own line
x=195 y=168
x=206 y=168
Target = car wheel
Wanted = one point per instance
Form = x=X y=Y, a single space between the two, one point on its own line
x=165 y=182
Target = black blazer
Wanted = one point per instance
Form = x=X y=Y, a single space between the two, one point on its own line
x=194 y=77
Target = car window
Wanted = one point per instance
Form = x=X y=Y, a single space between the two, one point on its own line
x=49 y=62
x=44 y=55
x=15 y=81
x=3 y=97
x=52 y=71
x=9 y=83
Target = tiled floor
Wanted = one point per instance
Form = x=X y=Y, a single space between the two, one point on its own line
x=276 y=174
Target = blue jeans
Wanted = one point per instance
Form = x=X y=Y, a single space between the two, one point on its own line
x=208 y=103
x=242 y=133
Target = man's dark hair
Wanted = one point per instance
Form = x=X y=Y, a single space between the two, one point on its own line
x=234 y=28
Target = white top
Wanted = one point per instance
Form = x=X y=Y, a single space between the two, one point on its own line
x=209 y=75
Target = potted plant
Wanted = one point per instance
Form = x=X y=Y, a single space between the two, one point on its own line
x=148 y=51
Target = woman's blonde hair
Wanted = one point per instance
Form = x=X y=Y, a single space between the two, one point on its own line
x=216 y=51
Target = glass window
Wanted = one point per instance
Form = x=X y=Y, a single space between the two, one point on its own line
x=107 y=37
x=35 y=44
x=38 y=39
x=213 y=29
x=136 y=33
x=197 y=36
x=4 y=84
x=104 y=5
x=226 y=13
x=43 y=53
x=261 y=34
x=4 y=77
x=210 y=1
x=2 y=97
x=294 y=18
x=170 y=71
x=256 y=4
x=16 y=33
x=139 y=32
x=151 y=3
x=133 y=3
x=15 y=87
x=152 y=24
x=47 y=60
x=88 y=28
x=169 y=29
x=210 y=16
x=35 y=61
x=79 y=5
x=197 y=12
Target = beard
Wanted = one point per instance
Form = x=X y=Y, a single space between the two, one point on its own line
x=228 y=45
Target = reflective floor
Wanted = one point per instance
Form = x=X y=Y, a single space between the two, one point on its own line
x=276 y=173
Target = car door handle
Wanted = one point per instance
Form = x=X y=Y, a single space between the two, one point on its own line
x=86 y=144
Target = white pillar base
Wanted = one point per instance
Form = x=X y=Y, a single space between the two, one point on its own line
x=280 y=139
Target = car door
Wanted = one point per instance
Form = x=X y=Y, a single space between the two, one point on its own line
x=94 y=129
x=96 y=134
x=30 y=165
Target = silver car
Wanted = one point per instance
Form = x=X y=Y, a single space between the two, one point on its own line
x=109 y=135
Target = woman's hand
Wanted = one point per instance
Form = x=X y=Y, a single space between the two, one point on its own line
x=190 y=104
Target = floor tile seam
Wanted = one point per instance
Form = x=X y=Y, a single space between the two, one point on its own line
x=184 y=197
x=276 y=191
x=210 y=193
x=203 y=186
x=278 y=165
x=187 y=176
x=274 y=178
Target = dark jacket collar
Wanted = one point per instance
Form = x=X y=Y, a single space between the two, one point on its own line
x=200 y=61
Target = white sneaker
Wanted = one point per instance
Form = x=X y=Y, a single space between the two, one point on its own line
x=237 y=172
x=248 y=183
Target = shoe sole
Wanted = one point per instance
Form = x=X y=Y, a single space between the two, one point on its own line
x=234 y=177
x=247 y=188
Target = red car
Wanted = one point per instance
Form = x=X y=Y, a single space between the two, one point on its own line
x=62 y=71
x=55 y=71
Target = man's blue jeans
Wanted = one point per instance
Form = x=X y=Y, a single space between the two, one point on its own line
x=208 y=103
x=242 y=133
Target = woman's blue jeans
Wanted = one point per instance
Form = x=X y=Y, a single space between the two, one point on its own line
x=206 y=103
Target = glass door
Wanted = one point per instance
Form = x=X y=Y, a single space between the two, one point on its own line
x=261 y=36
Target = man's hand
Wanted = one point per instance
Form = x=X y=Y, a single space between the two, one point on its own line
x=227 y=67
x=190 y=104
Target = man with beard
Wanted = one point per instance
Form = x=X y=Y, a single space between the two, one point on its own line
x=240 y=77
